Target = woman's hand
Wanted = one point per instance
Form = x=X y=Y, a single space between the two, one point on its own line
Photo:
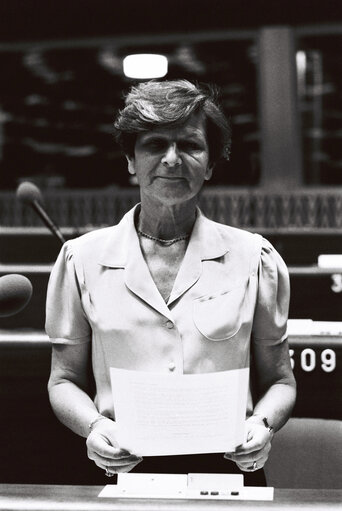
x=253 y=454
x=105 y=451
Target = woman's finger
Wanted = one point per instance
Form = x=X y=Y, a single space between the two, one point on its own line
x=104 y=450
x=117 y=469
x=97 y=443
x=107 y=455
x=123 y=468
x=120 y=461
x=252 y=466
x=100 y=445
x=251 y=456
x=249 y=468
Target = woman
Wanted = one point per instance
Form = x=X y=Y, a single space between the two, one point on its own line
x=169 y=290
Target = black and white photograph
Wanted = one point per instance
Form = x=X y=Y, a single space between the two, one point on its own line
x=170 y=255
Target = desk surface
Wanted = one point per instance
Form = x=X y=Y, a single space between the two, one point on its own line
x=84 y=498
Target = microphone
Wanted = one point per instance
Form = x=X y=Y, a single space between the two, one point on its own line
x=30 y=194
x=15 y=293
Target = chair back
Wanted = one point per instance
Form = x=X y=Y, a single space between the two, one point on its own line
x=306 y=453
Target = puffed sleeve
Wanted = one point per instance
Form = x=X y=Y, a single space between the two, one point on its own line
x=66 y=322
x=270 y=319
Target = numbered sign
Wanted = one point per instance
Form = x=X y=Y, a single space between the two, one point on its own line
x=336 y=285
x=316 y=362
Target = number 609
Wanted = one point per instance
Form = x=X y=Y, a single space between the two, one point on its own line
x=308 y=360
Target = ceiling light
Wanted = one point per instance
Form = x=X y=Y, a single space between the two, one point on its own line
x=145 y=66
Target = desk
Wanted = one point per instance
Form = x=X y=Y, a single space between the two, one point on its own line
x=84 y=498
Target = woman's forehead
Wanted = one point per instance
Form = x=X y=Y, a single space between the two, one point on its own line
x=194 y=126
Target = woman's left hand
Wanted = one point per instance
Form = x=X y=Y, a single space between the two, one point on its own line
x=252 y=455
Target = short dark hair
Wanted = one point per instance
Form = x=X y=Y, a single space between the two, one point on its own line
x=171 y=103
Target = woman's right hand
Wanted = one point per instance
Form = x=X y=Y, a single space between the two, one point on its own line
x=105 y=451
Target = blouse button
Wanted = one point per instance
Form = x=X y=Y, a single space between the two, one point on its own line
x=169 y=324
x=172 y=366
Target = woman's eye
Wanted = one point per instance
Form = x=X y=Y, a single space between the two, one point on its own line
x=155 y=144
x=189 y=146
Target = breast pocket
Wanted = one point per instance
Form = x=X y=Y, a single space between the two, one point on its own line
x=219 y=317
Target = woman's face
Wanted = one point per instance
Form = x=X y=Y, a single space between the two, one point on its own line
x=171 y=164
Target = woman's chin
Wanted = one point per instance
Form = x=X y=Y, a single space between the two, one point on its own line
x=174 y=199
x=178 y=193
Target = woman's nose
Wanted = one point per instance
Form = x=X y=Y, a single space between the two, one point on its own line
x=171 y=157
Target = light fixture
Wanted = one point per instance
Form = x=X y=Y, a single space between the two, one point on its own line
x=301 y=62
x=145 y=66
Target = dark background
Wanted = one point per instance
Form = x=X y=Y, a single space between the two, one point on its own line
x=50 y=19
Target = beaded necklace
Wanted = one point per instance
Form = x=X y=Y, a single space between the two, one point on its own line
x=161 y=241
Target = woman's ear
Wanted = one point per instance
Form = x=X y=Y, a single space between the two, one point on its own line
x=208 y=172
x=130 y=162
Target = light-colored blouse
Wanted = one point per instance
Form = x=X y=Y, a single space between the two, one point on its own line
x=232 y=289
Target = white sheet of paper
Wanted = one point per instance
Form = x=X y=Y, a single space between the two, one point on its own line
x=161 y=414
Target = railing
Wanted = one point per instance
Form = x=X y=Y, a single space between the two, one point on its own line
x=248 y=208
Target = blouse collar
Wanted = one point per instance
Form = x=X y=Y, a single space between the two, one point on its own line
x=206 y=240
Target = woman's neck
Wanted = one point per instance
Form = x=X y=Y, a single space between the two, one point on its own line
x=164 y=221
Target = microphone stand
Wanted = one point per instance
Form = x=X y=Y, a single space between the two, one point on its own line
x=47 y=221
